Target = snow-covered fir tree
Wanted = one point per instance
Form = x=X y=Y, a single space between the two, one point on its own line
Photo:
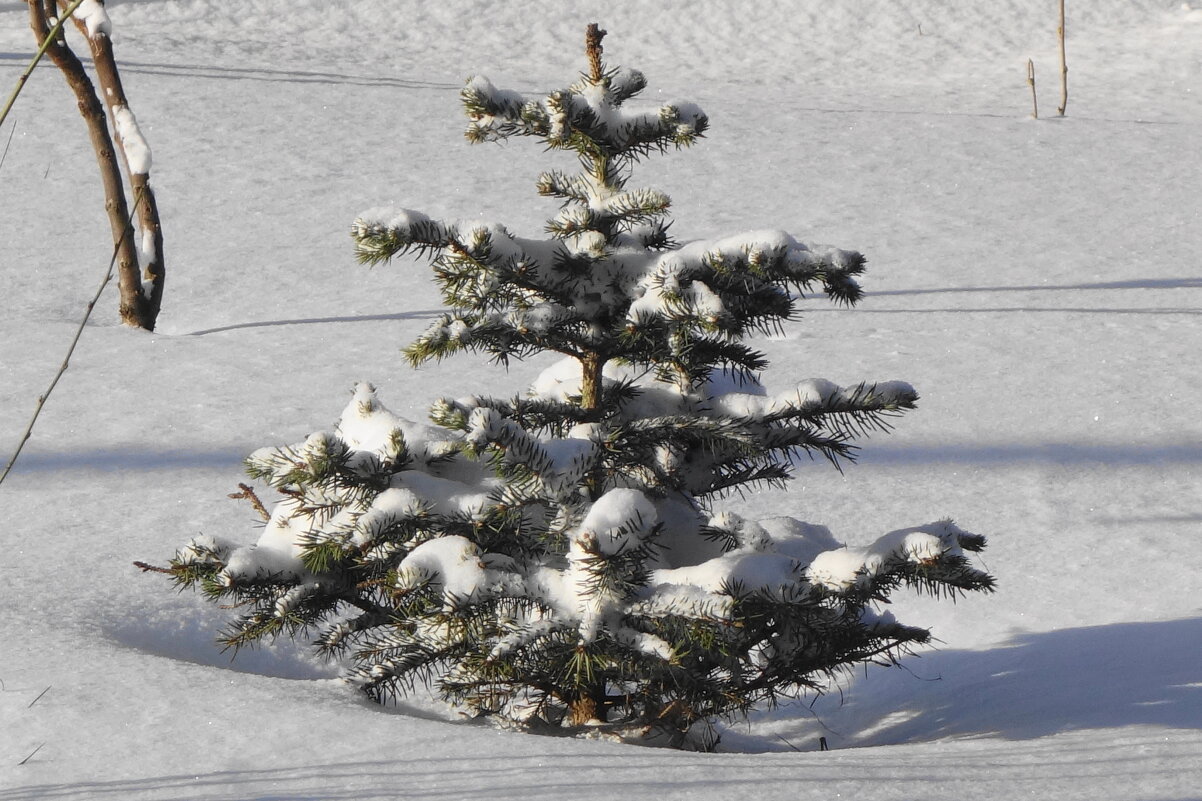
x=560 y=558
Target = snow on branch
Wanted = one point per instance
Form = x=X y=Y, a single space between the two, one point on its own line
x=137 y=151
x=94 y=17
x=563 y=555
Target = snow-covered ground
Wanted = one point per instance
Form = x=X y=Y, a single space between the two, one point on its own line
x=1040 y=282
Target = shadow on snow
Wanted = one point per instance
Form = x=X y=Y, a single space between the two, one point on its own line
x=363 y=318
x=131 y=458
x=1139 y=283
x=1063 y=453
x=1095 y=677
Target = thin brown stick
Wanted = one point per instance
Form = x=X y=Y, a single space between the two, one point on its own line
x=147 y=568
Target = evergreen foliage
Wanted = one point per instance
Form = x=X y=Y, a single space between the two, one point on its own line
x=558 y=558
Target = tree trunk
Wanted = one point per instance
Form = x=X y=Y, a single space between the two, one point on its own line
x=592 y=48
x=585 y=710
x=139 y=182
x=591 y=367
x=134 y=305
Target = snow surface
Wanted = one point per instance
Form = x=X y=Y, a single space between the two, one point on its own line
x=1039 y=283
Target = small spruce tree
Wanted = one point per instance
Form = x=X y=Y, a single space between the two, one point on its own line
x=557 y=558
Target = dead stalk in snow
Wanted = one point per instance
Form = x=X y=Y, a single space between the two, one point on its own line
x=1063 y=65
x=39 y=698
x=26 y=759
x=108 y=276
x=1031 y=83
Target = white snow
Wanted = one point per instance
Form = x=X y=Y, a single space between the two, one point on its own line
x=146 y=247
x=837 y=569
x=841 y=568
x=94 y=17
x=137 y=152
x=618 y=520
x=367 y=425
x=276 y=550
x=745 y=566
x=1036 y=281
x=403 y=219
x=452 y=563
x=391 y=505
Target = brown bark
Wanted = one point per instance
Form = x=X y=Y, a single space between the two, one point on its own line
x=592 y=48
x=148 y=211
x=585 y=710
x=134 y=304
x=591 y=366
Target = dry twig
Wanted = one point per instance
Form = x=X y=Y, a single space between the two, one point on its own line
x=248 y=493
x=39 y=698
x=26 y=759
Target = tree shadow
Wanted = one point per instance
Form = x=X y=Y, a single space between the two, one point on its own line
x=212 y=72
x=1095 y=677
x=1062 y=453
x=263 y=74
x=894 y=454
x=1107 y=310
x=503 y=776
x=127 y=459
x=1139 y=283
x=190 y=635
x=425 y=314
x=186 y=632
